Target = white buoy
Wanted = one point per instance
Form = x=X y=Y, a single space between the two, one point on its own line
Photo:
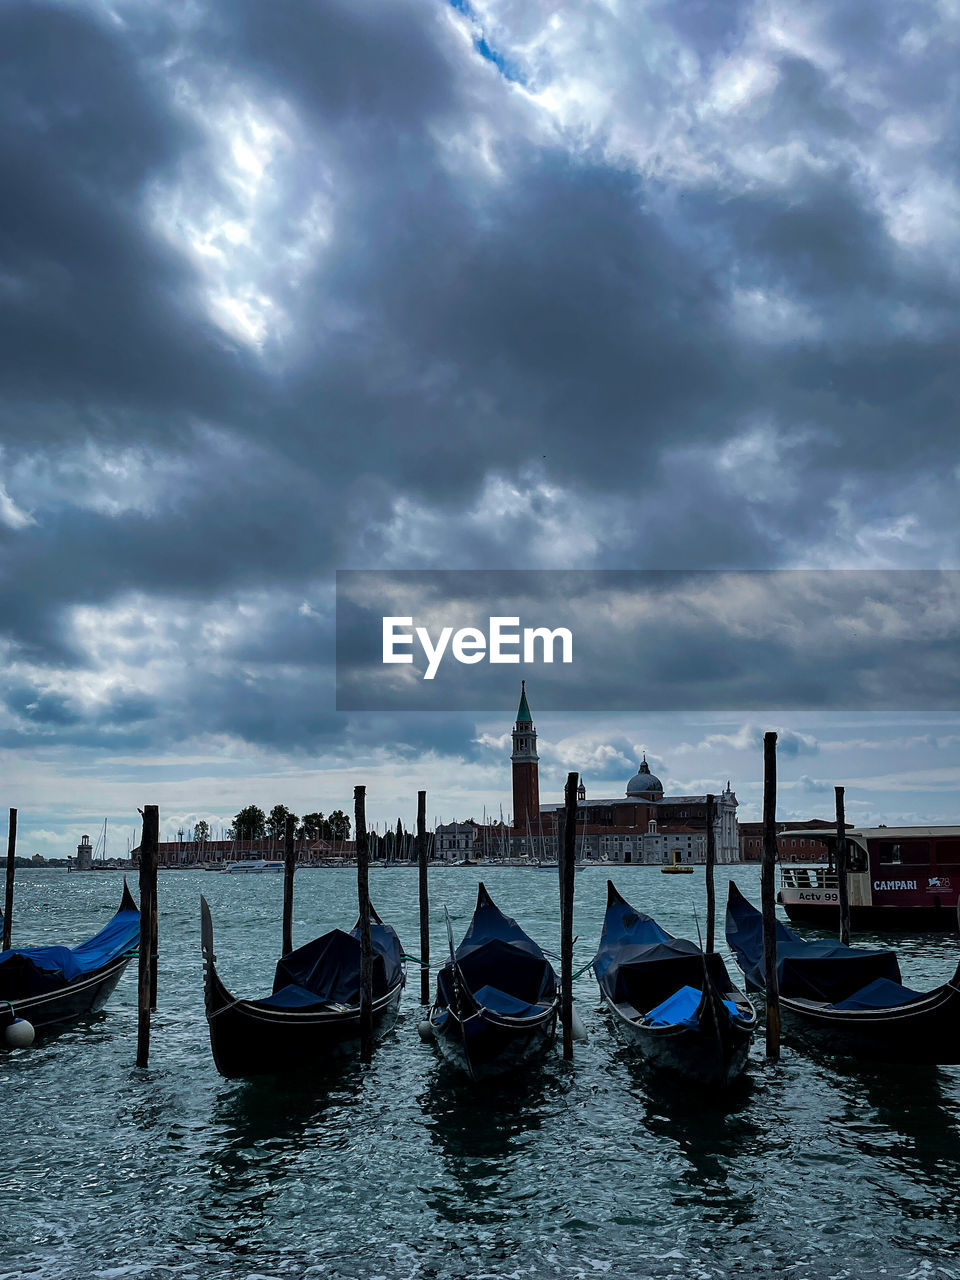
x=19 y=1034
x=576 y=1024
x=425 y=1031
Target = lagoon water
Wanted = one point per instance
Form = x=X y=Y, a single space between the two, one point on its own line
x=813 y=1168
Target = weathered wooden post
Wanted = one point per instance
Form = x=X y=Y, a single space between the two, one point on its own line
x=568 y=853
x=711 y=889
x=768 y=894
x=289 y=868
x=366 y=944
x=154 y=919
x=11 y=870
x=842 y=870
x=424 y=897
x=146 y=978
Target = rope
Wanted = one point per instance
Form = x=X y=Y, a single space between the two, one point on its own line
x=424 y=964
x=405 y=955
x=439 y=964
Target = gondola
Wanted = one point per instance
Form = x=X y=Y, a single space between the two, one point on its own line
x=312 y=1015
x=52 y=986
x=675 y=1004
x=849 y=1000
x=497 y=996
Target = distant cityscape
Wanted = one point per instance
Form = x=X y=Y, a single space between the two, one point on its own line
x=643 y=826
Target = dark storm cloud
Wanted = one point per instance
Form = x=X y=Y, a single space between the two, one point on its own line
x=492 y=298
x=98 y=314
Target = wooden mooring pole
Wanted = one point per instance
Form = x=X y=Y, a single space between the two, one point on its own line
x=424 y=897
x=11 y=870
x=146 y=976
x=568 y=853
x=842 y=885
x=289 y=869
x=366 y=943
x=768 y=895
x=711 y=888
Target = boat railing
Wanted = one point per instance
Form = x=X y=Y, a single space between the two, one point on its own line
x=807 y=878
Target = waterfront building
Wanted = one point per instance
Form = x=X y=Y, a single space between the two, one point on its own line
x=212 y=853
x=643 y=826
x=801 y=845
x=456 y=841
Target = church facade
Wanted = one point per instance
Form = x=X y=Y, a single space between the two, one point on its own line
x=642 y=826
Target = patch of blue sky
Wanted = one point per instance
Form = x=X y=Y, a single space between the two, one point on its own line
x=509 y=70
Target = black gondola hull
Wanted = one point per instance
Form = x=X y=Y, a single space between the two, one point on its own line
x=484 y=1049
x=642 y=972
x=695 y=1053
x=921 y=1030
x=927 y=1033
x=248 y=1040
x=48 y=1001
x=497 y=997
x=69 y=1003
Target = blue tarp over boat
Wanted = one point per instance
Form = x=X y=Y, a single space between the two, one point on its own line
x=880 y=994
x=498 y=959
x=327 y=970
x=824 y=970
x=680 y=1009
x=640 y=964
x=29 y=971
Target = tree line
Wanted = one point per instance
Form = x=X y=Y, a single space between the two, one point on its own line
x=251 y=823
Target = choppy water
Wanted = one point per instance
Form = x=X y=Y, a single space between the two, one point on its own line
x=814 y=1168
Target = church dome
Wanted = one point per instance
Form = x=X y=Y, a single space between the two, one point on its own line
x=645 y=783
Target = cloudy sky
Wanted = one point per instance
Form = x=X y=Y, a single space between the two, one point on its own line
x=294 y=286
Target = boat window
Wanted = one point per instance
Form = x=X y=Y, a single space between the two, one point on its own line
x=948 y=853
x=917 y=851
x=912 y=851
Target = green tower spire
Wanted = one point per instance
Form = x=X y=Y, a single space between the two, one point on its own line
x=523 y=712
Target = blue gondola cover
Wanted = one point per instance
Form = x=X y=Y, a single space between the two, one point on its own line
x=640 y=964
x=327 y=970
x=825 y=970
x=879 y=994
x=498 y=959
x=29 y=971
x=680 y=1009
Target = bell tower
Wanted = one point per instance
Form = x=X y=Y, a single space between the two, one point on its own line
x=526 y=769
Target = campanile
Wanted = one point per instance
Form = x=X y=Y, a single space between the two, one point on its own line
x=526 y=770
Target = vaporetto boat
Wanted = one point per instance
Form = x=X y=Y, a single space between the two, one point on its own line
x=251 y=866
x=898 y=878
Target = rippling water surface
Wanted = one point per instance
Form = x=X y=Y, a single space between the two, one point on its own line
x=813 y=1168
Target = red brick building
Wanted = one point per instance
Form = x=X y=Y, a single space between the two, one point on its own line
x=797 y=848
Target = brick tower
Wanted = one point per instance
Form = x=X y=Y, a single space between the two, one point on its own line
x=526 y=773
